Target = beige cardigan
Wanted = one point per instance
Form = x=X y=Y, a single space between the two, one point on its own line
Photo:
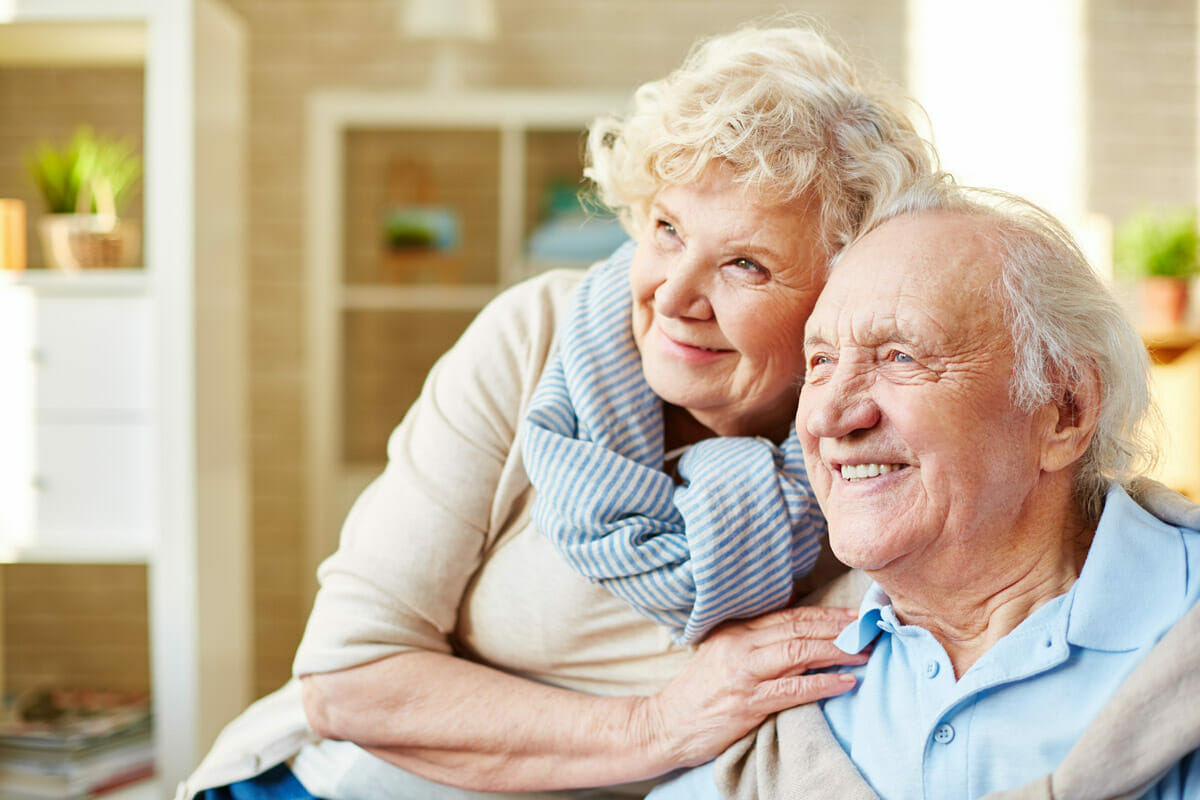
x=440 y=554
x=1151 y=723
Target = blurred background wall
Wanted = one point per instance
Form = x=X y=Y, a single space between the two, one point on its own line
x=1089 y=104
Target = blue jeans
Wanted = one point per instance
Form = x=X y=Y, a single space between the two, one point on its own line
x=277 y=783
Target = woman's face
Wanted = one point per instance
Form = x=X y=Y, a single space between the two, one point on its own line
x=722 y=286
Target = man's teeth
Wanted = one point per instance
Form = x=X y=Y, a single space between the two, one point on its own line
x=858 y=472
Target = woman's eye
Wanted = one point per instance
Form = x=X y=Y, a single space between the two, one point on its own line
x=748 y=265
x=666 y=227
x=900 y=357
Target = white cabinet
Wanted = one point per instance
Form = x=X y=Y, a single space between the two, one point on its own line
x=75 y=477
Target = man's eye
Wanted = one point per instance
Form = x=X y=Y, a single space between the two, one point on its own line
x=900 y=357
x=820 y=360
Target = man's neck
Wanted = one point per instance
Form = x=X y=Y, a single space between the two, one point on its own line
x=969 y=600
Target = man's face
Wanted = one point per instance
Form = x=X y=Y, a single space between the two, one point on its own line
x=910 y=436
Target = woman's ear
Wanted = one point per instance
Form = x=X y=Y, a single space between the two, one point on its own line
x=1070 y=422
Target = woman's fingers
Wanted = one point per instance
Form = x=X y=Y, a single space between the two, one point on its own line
x=748 y=669
x=794 y=690
x=801 y=614
x=795 y=656
x=780 y=641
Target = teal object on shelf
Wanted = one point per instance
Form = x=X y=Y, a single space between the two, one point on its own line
x=422 y=228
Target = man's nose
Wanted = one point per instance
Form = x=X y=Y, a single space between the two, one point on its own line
x=839 y=405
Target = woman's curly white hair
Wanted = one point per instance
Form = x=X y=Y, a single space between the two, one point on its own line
x=781 y=107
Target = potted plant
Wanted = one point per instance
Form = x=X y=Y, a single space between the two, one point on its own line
x=1159 y=250
x=86 y=184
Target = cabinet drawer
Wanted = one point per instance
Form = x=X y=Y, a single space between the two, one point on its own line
x=86 y=493
x=72 y=352
x=92 y=355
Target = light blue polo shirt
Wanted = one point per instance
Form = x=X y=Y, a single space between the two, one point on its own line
x=915 y=732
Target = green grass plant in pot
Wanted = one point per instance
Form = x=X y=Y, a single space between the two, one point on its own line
x=1158 y=250
x=86 y=184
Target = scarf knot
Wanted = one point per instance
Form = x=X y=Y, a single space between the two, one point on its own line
x=725 y=543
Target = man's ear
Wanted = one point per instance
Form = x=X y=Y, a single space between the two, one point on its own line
x=1070 y=423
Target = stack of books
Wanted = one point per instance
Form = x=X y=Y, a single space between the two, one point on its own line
x=58 y=744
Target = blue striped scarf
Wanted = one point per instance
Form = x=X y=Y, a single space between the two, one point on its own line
x=726 y=543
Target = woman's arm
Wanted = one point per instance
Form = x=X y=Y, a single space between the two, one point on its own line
x=461 y=723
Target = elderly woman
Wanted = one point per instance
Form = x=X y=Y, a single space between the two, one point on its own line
x=635 y=420
x=973 y=402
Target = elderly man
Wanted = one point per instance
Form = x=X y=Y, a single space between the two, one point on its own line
x=972 y=405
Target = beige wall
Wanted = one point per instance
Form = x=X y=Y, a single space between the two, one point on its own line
x=1142 y=104
x=74 y=625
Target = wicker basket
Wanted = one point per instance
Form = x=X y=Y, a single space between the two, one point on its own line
x=90 y=241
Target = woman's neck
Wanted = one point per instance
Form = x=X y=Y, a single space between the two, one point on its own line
x=681 y=429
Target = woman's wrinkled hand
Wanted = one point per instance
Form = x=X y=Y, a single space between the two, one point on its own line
x=743 y=672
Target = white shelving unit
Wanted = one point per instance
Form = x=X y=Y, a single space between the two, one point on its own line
x=194 y=55
x=511 y=115
x=75 y=471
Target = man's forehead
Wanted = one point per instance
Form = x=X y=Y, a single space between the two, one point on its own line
x=931 y=249
x=935 y=263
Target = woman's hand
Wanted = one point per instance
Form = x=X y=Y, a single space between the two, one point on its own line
x=745 y=671
x=468 y=725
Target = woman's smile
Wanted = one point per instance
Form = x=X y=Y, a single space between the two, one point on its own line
x=692 y=353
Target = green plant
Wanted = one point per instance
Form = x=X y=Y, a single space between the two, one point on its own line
x=1157 y=243
x=89 y=161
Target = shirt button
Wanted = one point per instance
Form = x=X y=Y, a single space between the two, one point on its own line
x=931 y=669
x=944 y=734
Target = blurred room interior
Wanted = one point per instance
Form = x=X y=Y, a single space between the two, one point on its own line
x=330 y=189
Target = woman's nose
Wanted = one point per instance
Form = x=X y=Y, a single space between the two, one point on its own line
x=683 y=292
x=838 y=406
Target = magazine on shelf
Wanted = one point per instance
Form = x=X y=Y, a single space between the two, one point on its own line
x=57 y=744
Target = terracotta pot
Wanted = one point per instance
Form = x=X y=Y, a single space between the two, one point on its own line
x=1164 y=302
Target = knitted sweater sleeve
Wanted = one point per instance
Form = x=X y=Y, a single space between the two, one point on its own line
x=419 y=532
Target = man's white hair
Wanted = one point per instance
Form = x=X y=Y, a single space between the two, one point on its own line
x=1067 y=328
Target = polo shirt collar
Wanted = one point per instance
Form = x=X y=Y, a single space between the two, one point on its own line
x=862 y=631
x=1130 y=591
x=1134 y=581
